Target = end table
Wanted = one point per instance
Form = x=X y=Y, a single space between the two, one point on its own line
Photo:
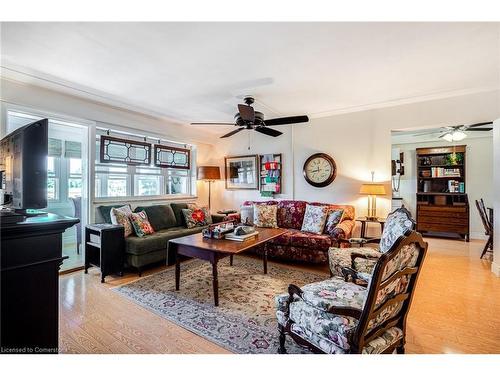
x=364 y=220
x=105 y=248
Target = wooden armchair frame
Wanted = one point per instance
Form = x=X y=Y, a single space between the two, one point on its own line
x=362 y=334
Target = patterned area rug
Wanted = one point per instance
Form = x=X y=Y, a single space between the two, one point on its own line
x=244 y=321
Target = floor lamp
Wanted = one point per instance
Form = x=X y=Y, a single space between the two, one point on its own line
x=209 y=174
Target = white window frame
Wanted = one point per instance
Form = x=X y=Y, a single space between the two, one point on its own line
x=134 y=171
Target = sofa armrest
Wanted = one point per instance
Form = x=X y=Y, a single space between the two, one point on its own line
x=218 y=218
x=342 y=232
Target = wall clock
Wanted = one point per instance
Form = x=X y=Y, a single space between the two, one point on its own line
x=320 y=170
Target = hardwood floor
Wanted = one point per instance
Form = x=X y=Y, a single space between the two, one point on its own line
x=456 y=309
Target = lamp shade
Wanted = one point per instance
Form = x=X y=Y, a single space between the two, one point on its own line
x=372 y=189
x=208 y=172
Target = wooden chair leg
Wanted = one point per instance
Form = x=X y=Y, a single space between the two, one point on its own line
x=486 y=247
x=282 y=339
x=400 y=349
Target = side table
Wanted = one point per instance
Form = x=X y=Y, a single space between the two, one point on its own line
x=364 y=220
x=105 y=248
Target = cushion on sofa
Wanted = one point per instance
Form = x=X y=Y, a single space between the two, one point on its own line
x=105 y=211
x=157 y=240
x=314 y=219
x=348 y=209
x=265 y=216
x=291 y=214
x=160 y=216
x=311 y=240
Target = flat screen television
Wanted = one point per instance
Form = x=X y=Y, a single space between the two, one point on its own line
x=23 y=163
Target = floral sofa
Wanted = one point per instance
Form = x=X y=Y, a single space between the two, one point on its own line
x=296 y=245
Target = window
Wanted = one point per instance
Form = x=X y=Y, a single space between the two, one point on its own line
x=75 y=181
x=118 y=180
x=53 y=173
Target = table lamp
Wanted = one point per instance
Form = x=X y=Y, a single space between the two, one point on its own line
x=372 y=190
x=209 y=174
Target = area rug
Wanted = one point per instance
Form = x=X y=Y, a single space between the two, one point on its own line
x=244 y=321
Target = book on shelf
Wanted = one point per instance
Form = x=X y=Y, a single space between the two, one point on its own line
x=445 y=172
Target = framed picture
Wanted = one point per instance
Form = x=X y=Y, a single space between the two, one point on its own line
x=242 y=172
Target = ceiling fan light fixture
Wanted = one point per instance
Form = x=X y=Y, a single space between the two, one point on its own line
x=458 y=135
x=448 y=137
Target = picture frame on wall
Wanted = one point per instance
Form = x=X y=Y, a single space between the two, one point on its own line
x=242 y=172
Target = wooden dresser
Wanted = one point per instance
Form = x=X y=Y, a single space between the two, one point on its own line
x=442 y=202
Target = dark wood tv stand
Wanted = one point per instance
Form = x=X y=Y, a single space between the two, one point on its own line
x=31 y=254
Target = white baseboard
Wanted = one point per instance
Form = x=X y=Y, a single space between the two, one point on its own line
x=478 y=236
x=495 y=268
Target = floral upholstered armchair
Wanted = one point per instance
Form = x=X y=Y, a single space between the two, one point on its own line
x=358 y=263
x=336 y=316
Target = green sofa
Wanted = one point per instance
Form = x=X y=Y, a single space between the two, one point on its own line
x=167 y=221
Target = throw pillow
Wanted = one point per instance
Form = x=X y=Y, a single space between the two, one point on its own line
x=314 y=219
x=119 y=216
x=333 y=219
x=198 y=217
x=246 y=215
x=141 y=224
x=265 y=216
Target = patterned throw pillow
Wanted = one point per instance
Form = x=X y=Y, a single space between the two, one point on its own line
x=141 y=224
x=333 y=219
x=119 y=216
x=314 y=219
x=265 y=216
x=246 y=214
x=198 y=217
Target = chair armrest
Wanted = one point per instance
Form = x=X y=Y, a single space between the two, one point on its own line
x=348 y=271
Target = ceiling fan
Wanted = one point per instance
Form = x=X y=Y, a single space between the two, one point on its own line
x=458 y=132
x=248 y=118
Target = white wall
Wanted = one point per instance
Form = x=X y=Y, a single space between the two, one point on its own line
x=359 y=142
x=495 y=266
x=479 y=176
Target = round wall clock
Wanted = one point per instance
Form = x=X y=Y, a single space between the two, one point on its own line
x=320 y=170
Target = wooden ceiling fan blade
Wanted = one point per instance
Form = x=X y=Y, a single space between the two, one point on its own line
x=286 y=120
x=233 y=132
x=247 y=113
x=213 y=123
x=268 y=131
x=478 y=130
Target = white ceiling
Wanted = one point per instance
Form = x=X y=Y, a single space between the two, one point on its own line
x=199 y=71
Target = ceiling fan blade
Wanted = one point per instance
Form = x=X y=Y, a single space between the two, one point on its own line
x=247 y=113
x=479 y=124
x=478 y=130
x=268 y=131
x=213 y=123
x=286 y=120
x=233 y=132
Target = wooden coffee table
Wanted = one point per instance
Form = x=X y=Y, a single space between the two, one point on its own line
x=213 y=250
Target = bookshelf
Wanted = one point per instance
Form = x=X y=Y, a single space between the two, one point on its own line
x=442 y=202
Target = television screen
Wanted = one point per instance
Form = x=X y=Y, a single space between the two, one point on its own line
x=23 y=163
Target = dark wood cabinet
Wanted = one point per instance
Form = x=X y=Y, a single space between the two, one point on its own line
x=31 y=254
x=105 y=248
x=442 y=201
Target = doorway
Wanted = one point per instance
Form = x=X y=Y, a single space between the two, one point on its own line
x=67 y=188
